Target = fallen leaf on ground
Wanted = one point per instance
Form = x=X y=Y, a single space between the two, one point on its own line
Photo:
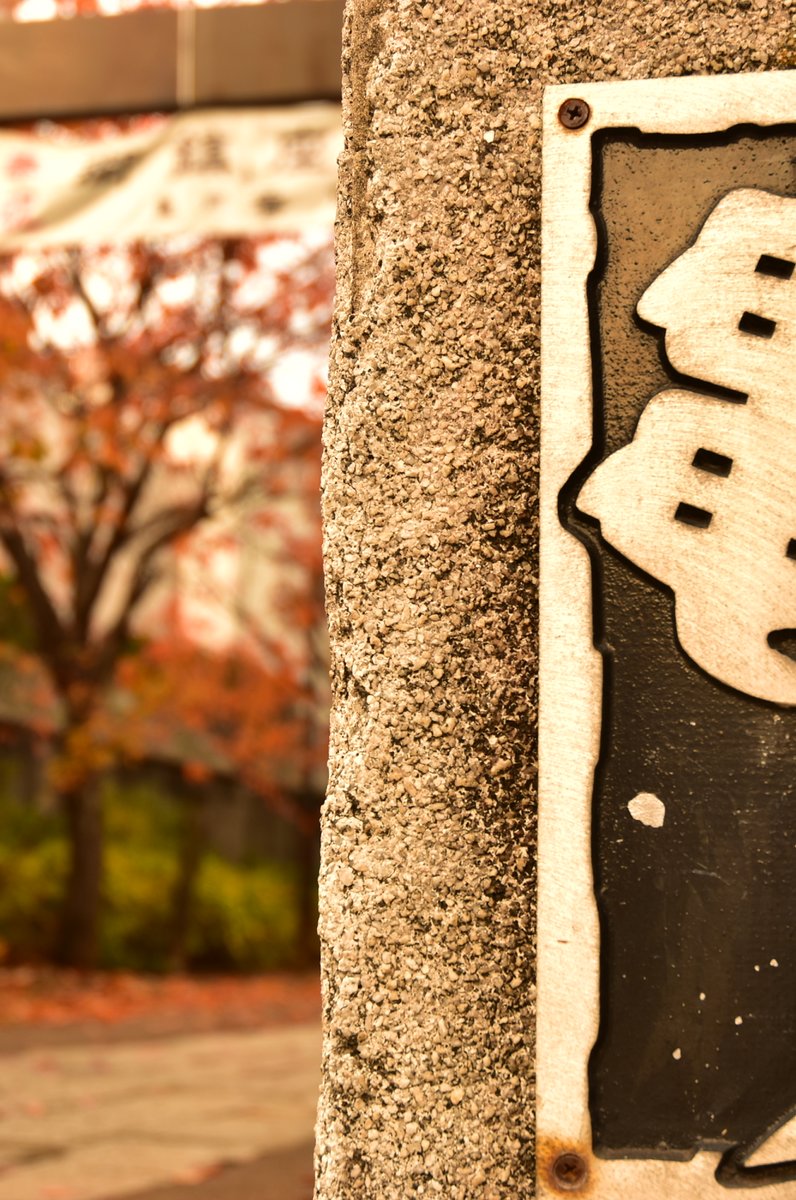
x=198 y=1174
x=49 y=997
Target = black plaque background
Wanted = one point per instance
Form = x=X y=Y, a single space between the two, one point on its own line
x=700 y=907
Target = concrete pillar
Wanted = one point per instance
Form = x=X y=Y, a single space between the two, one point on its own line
x=431 y=473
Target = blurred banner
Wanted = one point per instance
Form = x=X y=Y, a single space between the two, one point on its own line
x=221 y=172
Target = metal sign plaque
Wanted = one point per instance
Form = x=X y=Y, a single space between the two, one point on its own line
x=667 y=847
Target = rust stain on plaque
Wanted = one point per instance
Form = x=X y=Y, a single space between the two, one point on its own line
x=551 y=1153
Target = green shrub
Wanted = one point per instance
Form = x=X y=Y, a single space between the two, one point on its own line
x=244 y=917
x=31 y=888
x=141 y=813
x=24 y=826
x=136 y=907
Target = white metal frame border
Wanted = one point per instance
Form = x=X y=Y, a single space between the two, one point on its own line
x=570 y=666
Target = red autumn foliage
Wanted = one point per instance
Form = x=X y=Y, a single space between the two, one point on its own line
x=46 y=997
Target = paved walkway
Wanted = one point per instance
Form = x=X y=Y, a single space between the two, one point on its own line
x=95 y=1122
x=284 y=1175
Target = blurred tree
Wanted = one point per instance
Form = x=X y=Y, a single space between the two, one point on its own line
x=139 y=409
x=239 y=720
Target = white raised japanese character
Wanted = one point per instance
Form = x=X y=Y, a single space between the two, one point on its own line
x=704 y=497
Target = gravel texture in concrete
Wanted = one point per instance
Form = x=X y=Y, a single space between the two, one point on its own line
x=432 y=450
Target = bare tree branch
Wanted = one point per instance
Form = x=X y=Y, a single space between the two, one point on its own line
x=76 y=280
x=49 y=629
x=90 y=573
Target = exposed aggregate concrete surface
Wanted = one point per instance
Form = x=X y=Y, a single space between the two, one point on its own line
x=430 y=489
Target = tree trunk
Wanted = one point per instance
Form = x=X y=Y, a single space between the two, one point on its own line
x=192 y=848
x=34 y=788
x=78 y=938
